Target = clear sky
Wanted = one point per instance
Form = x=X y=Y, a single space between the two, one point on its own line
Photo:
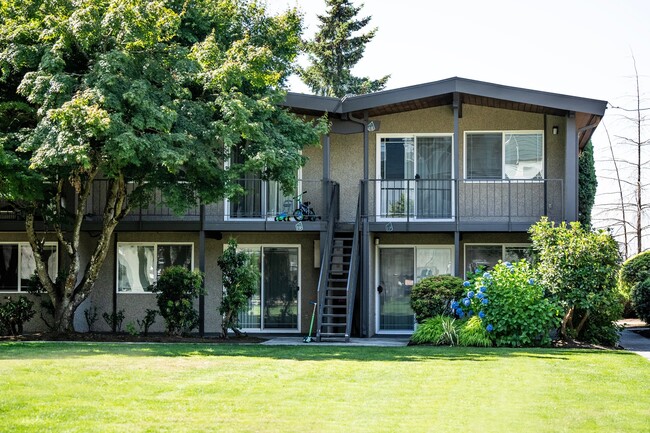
x=574 y=47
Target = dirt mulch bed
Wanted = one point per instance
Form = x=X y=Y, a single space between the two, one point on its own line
x=106 y=337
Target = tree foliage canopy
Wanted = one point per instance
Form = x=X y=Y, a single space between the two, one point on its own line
x=149 y=95
x=335 y=50
x=587 y=184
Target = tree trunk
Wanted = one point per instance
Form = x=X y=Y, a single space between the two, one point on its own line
x=566 y=321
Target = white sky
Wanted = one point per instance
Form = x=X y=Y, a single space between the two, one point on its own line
x=574 y=47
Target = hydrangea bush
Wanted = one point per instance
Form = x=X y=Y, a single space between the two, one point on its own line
x=510 y=304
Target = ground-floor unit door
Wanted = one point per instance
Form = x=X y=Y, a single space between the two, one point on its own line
x=275 y=304
x=398 y=269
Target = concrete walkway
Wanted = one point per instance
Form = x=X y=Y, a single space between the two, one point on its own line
x=635 y=343
x=370 y=342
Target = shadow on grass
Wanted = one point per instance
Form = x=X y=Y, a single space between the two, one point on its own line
x=49 y=350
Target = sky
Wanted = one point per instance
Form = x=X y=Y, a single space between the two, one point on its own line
x=576 y=47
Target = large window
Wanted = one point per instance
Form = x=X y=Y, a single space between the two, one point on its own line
x=486 y=256
x=17 y=265
x=504 y=155
x=140 y=264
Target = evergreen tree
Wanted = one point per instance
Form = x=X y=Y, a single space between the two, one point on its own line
x=587 y=183
x=335 y=50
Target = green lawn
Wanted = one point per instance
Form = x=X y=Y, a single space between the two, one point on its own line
x=82 y=387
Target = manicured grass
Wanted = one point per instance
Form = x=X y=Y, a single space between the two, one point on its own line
x=82 y=387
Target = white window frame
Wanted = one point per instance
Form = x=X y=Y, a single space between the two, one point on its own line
x=491 y=244
x=378 y=331
x=378 y=161
x=155 y=261
x=260 y=247
x=503 y=155
x=19 y=264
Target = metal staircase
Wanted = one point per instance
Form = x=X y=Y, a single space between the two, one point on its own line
x=338 y=282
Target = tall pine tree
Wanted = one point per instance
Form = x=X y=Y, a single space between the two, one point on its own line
x=335 y=50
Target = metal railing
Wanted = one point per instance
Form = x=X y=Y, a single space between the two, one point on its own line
x=321 y=291
x=465 y=200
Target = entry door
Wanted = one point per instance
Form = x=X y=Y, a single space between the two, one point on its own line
x=399 y=268
x=274 y=306
x=415 y=177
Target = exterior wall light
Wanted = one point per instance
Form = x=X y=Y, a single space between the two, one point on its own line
x=555 y=130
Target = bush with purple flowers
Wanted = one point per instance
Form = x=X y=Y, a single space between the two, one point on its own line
x=511 y=306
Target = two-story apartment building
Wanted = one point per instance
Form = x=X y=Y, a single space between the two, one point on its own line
x=437 y=178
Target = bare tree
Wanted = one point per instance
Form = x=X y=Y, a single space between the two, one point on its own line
x=622 y=209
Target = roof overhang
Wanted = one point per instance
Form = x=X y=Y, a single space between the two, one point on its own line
x=588 y=112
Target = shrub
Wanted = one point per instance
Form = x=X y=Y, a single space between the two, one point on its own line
x=91 y=317
x=432 y=296
x=579 y=269
x=14 y=314
x=176 y=289
x=634 y=270
x=472 y=332
x=511 y=305
x=149 y=319
x=641 y=299
x=114 y=320
x=241 y=278
x=429 y=331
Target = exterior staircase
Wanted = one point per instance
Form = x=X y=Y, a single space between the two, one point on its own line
x=334 y=312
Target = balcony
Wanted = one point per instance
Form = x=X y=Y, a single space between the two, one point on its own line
x=465 y=205
x=264 y=206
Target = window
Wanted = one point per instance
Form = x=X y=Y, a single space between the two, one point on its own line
x=17 y=265
x=504 y=155
x=139 y=265
x=487 y=256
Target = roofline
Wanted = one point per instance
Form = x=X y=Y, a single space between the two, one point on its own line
x=442 y=87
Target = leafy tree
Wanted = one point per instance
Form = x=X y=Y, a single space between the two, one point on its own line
x=241 y=278
x=335 y=50
x=578 y=268
x=153 y=95
x=587 y=184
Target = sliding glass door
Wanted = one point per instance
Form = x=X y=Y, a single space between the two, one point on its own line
x=398 y=269
x=415 y=177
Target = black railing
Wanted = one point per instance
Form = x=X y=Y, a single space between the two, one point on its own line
x=466 y=200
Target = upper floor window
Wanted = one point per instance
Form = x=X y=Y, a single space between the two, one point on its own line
x=140 y=264
x=504 y=155
x=17 y=265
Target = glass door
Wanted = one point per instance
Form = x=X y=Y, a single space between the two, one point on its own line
x=274 y=306
x=415 y=177
x=399 y=268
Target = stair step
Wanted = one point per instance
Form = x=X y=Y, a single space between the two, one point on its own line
x=334 y=325
x=332 y=334
x=335 y=307
x=335 y=297
x=334 y=315
x=337 y=280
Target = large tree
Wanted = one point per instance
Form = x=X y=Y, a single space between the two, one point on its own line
x=145 y=95
x=335 y=50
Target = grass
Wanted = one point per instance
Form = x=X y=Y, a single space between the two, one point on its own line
x=91 y=387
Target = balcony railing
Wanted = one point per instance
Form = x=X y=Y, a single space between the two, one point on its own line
x=261 y=201
x=468 y=201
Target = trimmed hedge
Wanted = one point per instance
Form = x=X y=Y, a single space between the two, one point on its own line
x=432 y=296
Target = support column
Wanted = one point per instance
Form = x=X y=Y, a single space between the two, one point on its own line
x=364 y=295
x=202 y=269
x=456 y=182
x=327 y=192
x=571 y=170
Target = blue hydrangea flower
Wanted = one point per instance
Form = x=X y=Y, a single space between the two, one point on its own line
x=460 y=313
x=481 y=314
x=470 y=294
x=531 y=281
x=480 y=295
x=471 y=313
x=508 y=264
x=484 y=301
x=454 y=305
x=487 y=275
x=477 y=271
x=482 y=289
x=466 y=283
x=466 y=302
x=489 y=328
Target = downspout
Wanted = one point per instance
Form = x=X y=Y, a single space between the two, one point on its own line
x=365 y=235
x=326 y=190
x=116 y=280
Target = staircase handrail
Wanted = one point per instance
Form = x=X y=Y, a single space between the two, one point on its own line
x=354 y=267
